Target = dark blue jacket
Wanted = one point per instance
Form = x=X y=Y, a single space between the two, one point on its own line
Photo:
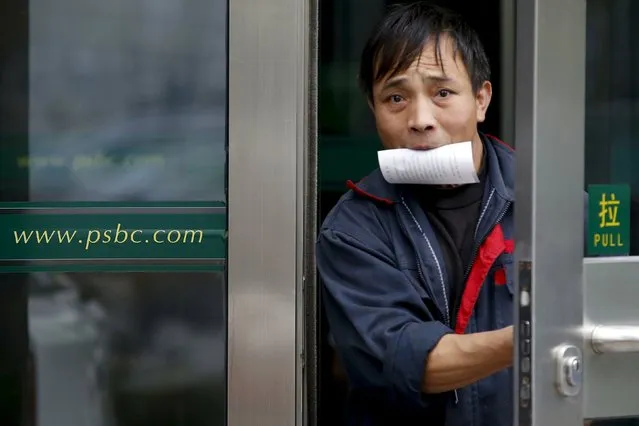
x=386 y=297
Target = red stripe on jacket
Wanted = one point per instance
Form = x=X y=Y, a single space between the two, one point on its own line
x=493 y=246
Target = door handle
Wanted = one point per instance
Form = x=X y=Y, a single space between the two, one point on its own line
x=603 y=339
x=615 y=339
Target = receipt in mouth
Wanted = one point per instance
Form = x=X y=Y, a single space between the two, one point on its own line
x=449 y=165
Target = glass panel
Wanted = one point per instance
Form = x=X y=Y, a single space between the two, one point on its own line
x=612 y=133
x=114 y=349
x=126 y=101
x=612 y=125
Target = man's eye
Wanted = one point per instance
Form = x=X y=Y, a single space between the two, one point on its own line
x=444 y=93
x=396 y=99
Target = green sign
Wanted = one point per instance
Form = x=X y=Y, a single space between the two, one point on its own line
x=43 y=236
x=608 y=220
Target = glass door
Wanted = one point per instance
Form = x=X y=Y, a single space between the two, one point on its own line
x=113 y=213
x=611 y=148
x=577 y=110
x=119 y=303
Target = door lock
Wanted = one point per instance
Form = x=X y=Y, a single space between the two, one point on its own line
x=602 y=339
x=569 y=373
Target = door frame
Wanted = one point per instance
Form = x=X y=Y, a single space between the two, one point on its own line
x=549 y=129
x=271 y=184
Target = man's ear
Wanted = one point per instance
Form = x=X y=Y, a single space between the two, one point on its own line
x=482 y=98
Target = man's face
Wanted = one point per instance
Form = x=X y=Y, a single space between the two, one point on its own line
x=425 y=108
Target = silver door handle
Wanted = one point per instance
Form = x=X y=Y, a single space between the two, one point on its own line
x=615 y=339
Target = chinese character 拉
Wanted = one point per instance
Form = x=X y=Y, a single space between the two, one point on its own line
x=608 y=211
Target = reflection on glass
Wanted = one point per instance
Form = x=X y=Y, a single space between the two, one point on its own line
x=612 y=101
x=127 y=101
x=124 y=349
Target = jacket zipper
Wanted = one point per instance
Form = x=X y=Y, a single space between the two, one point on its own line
x=419 y=266
x=439 y=270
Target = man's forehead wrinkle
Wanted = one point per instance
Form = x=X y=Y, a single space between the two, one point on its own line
x=432 y=73
x=426 y=76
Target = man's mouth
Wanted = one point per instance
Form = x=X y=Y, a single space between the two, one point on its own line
x=423 y=147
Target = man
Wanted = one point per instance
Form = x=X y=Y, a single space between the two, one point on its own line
x=417 y=279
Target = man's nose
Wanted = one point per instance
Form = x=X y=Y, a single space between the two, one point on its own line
x=421 y=117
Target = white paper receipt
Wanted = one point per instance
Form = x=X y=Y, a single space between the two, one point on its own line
x=449 y=165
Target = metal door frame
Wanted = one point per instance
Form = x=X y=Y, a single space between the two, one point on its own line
x=270 y=180
x=549 y=129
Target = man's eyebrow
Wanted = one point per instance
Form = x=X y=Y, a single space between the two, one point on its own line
x=437 y=79
x=400 y=80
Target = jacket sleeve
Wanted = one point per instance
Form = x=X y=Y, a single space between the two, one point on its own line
x=381 y=326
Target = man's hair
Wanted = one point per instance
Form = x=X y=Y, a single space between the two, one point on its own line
x=401 y=36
